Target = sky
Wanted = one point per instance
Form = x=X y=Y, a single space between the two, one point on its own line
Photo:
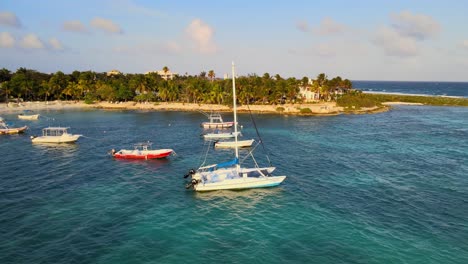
x=412 y=40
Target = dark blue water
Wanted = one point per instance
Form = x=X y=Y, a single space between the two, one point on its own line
x=459 y=89
x=383 y=188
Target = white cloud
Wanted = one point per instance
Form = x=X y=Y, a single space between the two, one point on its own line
x=329 y=27
x=6 y=40
x=31 y=41
x=417 y=26
x=9 y=19
x=106 y=25
x=55 y=44
x=74 y=26
x=202 y=36
x=395 y=44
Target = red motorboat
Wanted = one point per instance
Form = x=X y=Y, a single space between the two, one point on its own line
x=142 y=151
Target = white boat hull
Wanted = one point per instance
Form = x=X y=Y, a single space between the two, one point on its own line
x=217 y=125
x=232 y=144
x=65 y=138
x=240 y=183
x=28 y=117
x=220 y=135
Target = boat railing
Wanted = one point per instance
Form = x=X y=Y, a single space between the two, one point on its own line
x=55 y=131
x=142 y=145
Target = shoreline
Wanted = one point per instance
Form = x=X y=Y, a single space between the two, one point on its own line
x=316 y=109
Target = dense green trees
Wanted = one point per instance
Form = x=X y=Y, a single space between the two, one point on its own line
x=27 y=84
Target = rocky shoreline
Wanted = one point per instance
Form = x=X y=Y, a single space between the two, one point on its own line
x=319 y=109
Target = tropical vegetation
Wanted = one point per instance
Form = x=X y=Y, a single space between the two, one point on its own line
x=356 y=100
x=31 y=85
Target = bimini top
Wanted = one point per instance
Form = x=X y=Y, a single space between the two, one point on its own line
x=54 y=131
x=56 y=128
x=143 y=145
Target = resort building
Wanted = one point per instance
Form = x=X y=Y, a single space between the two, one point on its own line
x=113 y=72
x=307 y=94
x=166 y=75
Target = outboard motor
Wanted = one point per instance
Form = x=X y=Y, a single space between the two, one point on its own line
x=192 y=183
x=190 y=173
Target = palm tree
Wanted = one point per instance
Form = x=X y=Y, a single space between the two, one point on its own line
x=211 y=74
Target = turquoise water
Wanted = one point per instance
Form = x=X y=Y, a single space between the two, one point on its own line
x=382 y=188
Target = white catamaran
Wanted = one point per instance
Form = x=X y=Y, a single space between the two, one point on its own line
x=230 y=175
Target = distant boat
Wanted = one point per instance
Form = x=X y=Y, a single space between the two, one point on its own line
x=6 y=130
x=216 y=121
x=28 y=115
x=219 y=135
x=233 y=144
x=230 y=175
x=55 y=135
x=142 y=151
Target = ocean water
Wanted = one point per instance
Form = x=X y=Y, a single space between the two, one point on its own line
x=458 y=89
x=382 y=188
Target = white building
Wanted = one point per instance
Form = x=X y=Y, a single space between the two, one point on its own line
x=113 y=72
x=307 y=94
x=168 y=75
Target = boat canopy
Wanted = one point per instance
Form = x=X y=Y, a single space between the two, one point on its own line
x=54 y=131
x=142 y=145
x=228 y=163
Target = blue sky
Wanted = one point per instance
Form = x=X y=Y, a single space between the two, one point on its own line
x=359 y=40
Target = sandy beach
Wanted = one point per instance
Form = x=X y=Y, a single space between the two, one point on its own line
x=323 y=108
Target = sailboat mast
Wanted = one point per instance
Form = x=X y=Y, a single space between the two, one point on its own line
x=235 y=110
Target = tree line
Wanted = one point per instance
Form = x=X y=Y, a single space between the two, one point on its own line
x=31 y=85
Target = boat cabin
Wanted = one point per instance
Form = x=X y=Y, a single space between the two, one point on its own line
x=54 y=131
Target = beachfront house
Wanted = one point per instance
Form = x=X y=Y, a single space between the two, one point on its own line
x=113 y=72
x=166 y=75
x=306 y=93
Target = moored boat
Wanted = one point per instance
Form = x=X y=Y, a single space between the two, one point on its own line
x=219 y=135
x=231 y=175
x=142 y=151
x=6 y=130
x=216 y=121
x=55 y=135
x=233 y=144
x=28 y=115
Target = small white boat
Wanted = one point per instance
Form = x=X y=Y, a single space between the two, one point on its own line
x=28 y=115
x=220 y=135
x=233 y=144
x=55 y=135
x=216 y=121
